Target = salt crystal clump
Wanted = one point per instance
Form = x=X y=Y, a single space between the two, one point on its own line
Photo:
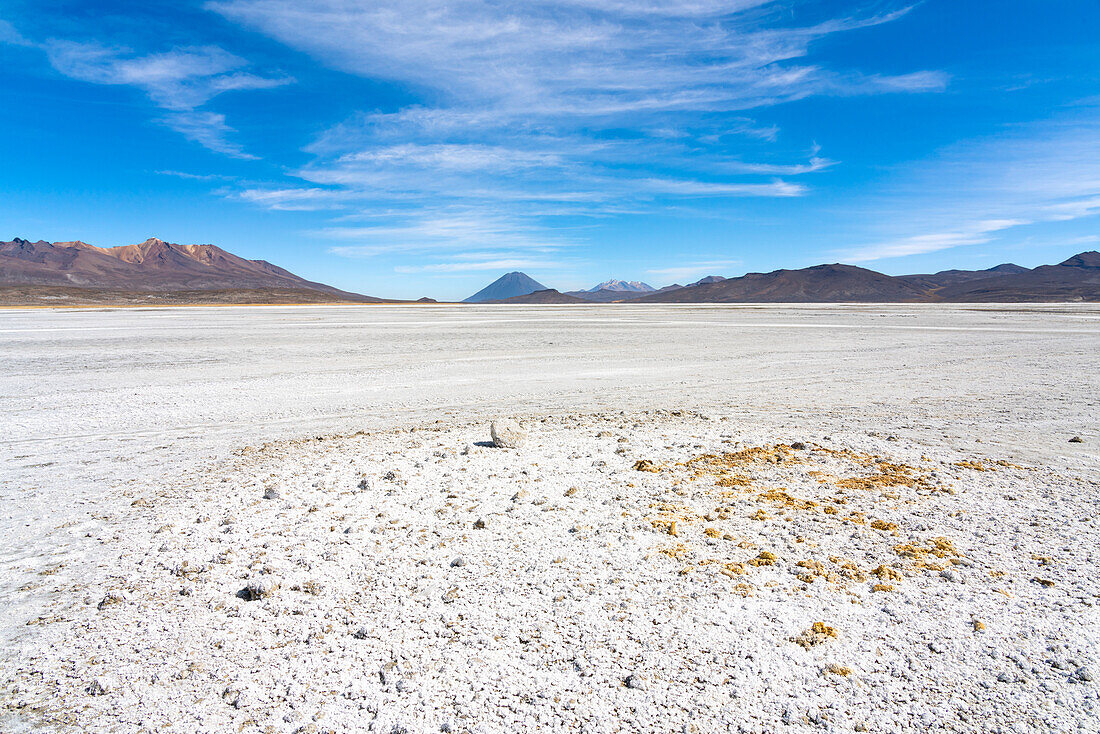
x=507 y=434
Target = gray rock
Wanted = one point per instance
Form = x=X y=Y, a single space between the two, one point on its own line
x=111 y=598
x=364 y=484
x=635 y=681
x=102 y=685
x=272 y=494
x=259 y=589
x=507 y=434
x=1084 y=673
x=460 y=561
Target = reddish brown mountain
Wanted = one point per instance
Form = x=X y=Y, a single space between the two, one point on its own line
x=151 y=266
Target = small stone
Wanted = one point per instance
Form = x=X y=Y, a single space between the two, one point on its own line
x=258 y=589
x=1085 y=674
x=1076 y=439
x=1004 y=678
x=507 y=434
x=272 y=494
x=798 y=446
x=458 y=562
x=364 y=484
x=636 y=682
x=951 y=575
x=111 y=598
x=481 y=523
x=102 y=685
x=361 y=634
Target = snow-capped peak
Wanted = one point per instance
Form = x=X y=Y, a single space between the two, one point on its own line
x=632 y=286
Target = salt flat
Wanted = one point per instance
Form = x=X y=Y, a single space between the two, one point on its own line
x=107 y=407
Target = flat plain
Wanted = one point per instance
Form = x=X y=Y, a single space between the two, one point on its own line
x=935 y=459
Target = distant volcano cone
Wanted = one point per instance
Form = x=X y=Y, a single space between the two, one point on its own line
x=507 y=286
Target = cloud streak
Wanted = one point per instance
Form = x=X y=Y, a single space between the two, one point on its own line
x=550 y=110
x=978 y=191
x=179 y=81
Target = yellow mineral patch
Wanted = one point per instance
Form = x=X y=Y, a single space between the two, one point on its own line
x=785 y=500
x=646 y=465
x=838 y=669
x=817 y=634
x=883 y=525
x=675 y=552
x=766 y=558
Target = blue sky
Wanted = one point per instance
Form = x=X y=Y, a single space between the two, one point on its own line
x=404 y=147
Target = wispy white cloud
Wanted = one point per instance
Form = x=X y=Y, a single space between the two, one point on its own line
x=694 y=270
x=180 y=79
x=578 y=58
x=977 y=191
x=969 y=233
x=468 y=232
x=468 y=266
x=208 y=129
x=8 y=34
x=557 y=108
x=187 y=175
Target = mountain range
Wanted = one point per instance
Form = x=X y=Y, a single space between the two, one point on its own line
x=1077 y=278
x=152 y=271
x=159 y=272
x=617 y=290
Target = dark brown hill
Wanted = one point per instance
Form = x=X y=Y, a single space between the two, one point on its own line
x=548 y=296
x=1075 y=279
x=819 y=284
x=943 y=278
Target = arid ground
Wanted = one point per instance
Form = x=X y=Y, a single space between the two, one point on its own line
x=756 y=518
